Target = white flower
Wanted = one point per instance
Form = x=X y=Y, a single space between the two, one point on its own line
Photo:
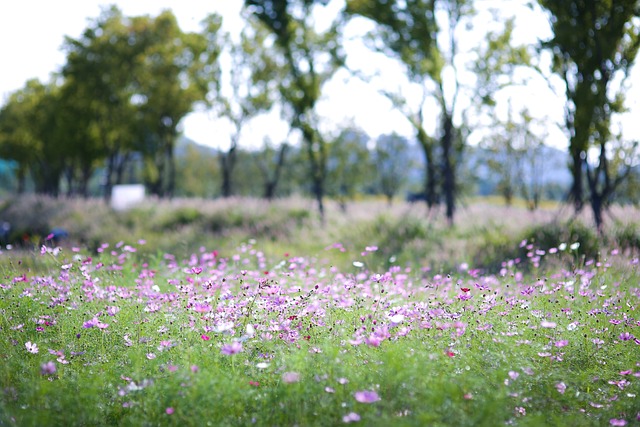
x=31 y=347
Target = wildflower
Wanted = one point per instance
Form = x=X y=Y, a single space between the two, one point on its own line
x=262 y=365
x=194 y=368
x=561 y=387
x=165 y=345
x=520 y=410
x=513 y=375
x=574 y=246
x=48 y=368
x=548 y=324
x=230 y=349
x=112 y=310
x=397 y=318
x=617 y=422
x=626 y=336
x=31 y=347
x=561 y=343
x=366 y=396
x=373 y=340
x=329 y=390
x=151 y=356
x=90 y=323
x=351 y=417
x=290 y=377
x=254 y=383
x=169 y=410
x=343 y=381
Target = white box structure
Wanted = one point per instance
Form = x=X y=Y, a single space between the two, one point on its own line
x=124 y=197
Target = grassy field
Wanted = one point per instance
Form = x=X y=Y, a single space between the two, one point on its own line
x=244 y=313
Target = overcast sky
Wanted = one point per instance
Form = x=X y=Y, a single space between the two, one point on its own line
x=32 y=33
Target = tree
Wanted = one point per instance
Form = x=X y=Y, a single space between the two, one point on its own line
x=392 y=161
x=408 y=31
x=99 y=74
x=252 y=81
x=307 y=58
x=27 y=136
x=348 y=165
x=271 y=162
x=132 y=79
x=165 y=90
x=514 y=156
x=594 y=46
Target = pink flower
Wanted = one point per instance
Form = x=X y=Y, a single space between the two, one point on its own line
x=169 y=410
x=205 y=337
x=112 y=310
x=290 y=377
x=48 y=368
x=561 y=387
x=373 y=340
x=351 y=417
x=513 y=375
x=366 y=396
x=616 y=422
x=31 y=347
x=151 y=356
x=230 y=349
x=547 y=324
x=561 y=343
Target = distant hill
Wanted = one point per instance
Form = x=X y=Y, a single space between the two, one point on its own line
x=183 y=144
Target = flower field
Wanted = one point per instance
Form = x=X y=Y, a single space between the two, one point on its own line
x=118 y=337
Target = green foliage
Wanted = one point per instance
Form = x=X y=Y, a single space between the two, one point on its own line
x=593 y=45
x=514 y=350
x=307 y=60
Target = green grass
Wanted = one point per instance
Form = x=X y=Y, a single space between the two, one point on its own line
x=455 y=349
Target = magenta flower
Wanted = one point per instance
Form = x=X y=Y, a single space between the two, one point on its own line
x=351 y=417
x=205 y=337
x=230 y=349
x=169 y=410
x=31 y=347
x=48 y=368
x=562 y=343
x=626 y=336
x=90 y=323
x=366 y=396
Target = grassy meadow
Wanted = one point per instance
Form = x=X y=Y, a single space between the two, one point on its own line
x=239 y=312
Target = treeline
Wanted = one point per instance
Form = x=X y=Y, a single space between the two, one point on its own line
x=127 y=83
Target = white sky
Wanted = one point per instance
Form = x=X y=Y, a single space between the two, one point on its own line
x=32 y=33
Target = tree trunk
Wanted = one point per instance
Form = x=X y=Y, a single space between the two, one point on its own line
x=449 y=184
x=430 y=188
x=171 y=165
x=576 y=194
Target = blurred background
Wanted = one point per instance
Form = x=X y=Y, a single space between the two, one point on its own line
x=441 y=104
